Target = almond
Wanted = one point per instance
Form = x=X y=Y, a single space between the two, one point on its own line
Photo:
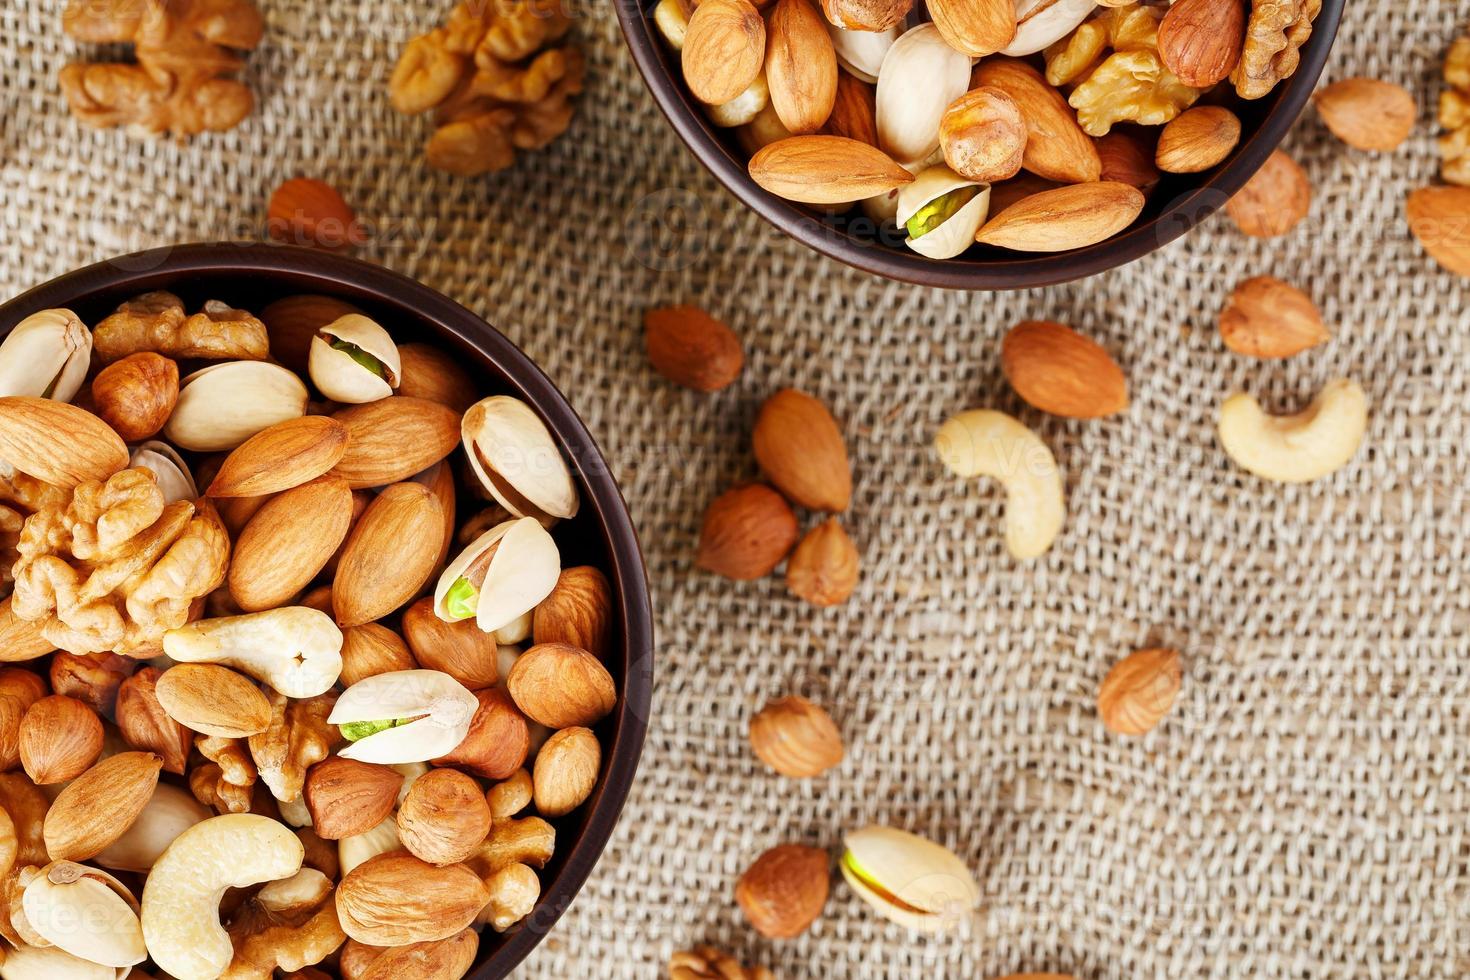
x=136 y=395
x=692 y=348
x=801 y=66
x=1274 y=201
x=498 y=740
x=566 y=771
x=1367 y=114
x=1056 y=147
x=1440 y=219
x=1126 y=160
x=346 y=797
x=92 y=678
x=724 y=48
x=1268 y=318
x=1059 y=371
x=213 y=700
x=395 y=899
x=394 y=438
x=372 y=649
x=823 y=569
x=561 y=686
x=292 y=323
x=826 y=170
x=1063 y=219
x=854 y=111
x=461 y=649
x=389 y=555
x=783 y=892
x=579 y=612
x=975 y=27
x=796 y=738
x=21 y=639
x=100 y=805
x=60 y=738
x=1197 y=140
x=1201 y=40
x=444 y=818
x=58 y=443
x=305 y=211
x=288 y=541
x=799 y=446
x=747 y=532
x=1139 y=691
x=283 y=456
x=429 y=373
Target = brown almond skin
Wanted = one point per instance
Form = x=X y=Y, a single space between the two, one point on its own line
x=1439 y=217
x=1201 y=40
x=462 y=650
x=1367 y=114
x=691 y=348
x=1139 y=691
x=213 y=700
x=1268 y=318
x=443 y=959
x=389 y=555
x=60 y=738
x=284 y=456
x=867 y=15
x=826 y=170
x=1069 y=217
x=288 y=541
x=498 y=740
x=801 y=66
x=1126 y=160
x=395 y=899
x=1274 y=201
x=100 y=805
x=292 y=322
x=429 y=373
x=137 y=394
x=783 y=892
x=724 y=47
x=58 y=443
x=21 y=639
x=145 y=725
x=347 y=797
x=799 y=446
x=566 y=771
x=1197 y=140
x=561 y=686
x=975 y=27
x=578 y=612
x=824 y=568
x=1061 y=372
x=747 y=532
x=1056 y=147
x=854 y=111
x=394 y=438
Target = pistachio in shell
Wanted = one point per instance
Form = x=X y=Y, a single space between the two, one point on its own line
x=515 y=458
x=908 y=879
x=504 y=574
x=46 y=356
x=942 y=211
x=404 y=716
x=354 y=361
x=222 y=405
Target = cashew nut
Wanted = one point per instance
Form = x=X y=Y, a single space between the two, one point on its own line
x=296 y=650
x=988 y=443
x=352 y=851
x=51 y=963
x=1296 y=448
x=84 y=912
x=181 y=899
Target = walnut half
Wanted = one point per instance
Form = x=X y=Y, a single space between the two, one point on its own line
x=1274 y=36
x=1454 y=115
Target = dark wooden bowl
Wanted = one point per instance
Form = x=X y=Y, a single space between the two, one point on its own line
x=1176 y=205
x=249 y=277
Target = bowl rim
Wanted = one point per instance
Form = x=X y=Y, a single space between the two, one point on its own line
x=1179 y=216
x=331 y=272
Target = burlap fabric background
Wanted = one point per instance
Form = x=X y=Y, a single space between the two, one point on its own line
x=1302 y=813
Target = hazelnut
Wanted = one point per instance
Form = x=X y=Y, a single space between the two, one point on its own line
x=983 y=135
x=498 y=740
x=136 y=395
x=145 y=725
x=823 y=569
x=796 y=738
x=462 y=650
x=347 y=797
x=444 y=817
x=578 y=611
x=783 y=892
x=19 y=689
x=747 y=532
x=369 y=650
x=60 y=738
x=566 y=771
x=1139 y=691
x=561 y=686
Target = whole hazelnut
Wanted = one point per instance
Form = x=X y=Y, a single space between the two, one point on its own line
x=796 y=738
x=983 y=135
x=19 y=689
x=347 y=797
x=560 y=686
x=566 y=771
x=462 y=650
x=136 y=395
x=823 y=569
x=60 y=738
x=578 y=611
x=371 y=649
x=444 y=817
x=145 y=725
x=783 y=892
x=498 y=740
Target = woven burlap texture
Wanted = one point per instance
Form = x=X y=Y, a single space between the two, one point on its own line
x=1302 y=813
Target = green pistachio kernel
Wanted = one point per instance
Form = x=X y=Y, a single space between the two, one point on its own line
x=362 y=357
x=356 y=731
x=461 y=600
x=939 y=210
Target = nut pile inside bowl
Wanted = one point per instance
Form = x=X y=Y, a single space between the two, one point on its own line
x=285 y=691
x=1024 y=125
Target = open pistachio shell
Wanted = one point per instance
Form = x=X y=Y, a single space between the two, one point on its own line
x=861 y=52
x=1041 y=23
x=909 y=880
x=441 y=709
x=522 y=573
x=957 y=233
x=339 y=374
x=165 y=463
x=920 y=76
x=744 y=107
x=50 y=963
x=515 y=458
x=46 y=356
x=85 y=912
x=222 y=405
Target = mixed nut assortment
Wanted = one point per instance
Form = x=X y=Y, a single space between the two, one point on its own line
x=263 y=648
x=997 y=122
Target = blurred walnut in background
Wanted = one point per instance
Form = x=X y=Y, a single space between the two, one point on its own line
x=1454 y=115
x=182 y=47
x=497 y=80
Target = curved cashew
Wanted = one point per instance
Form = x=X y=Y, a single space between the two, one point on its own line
x=1296 y=448
x=296 y=650
x=988 y=443
x=181 y=899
